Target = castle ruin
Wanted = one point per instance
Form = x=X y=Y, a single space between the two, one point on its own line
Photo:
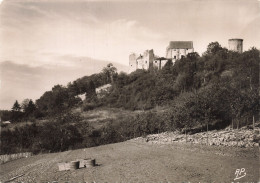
x=145 y=61
x=174 y=51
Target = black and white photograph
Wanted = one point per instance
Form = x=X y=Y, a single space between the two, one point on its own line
x=125 y=91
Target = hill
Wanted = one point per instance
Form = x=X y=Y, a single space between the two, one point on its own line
x=196 y=93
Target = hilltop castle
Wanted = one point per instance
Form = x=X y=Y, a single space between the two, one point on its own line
x=174 y=51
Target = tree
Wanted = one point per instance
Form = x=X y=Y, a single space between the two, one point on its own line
x=29 y=110
x=16 y=114
x=73 y=88
x=194 y=56
x=110 y=71
x=25 y=103
x=121 y=80
x=91 y=92
x=213 y=48
x=167 y=67
x=60 y=99
x=16 y=106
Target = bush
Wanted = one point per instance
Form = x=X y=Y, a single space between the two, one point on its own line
x=68 y=117
x=88 y=107
x=3 y=125
x=47 y=138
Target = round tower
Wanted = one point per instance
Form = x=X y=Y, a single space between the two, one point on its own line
x=235 y=45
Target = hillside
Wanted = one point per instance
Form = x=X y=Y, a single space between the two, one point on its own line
x=194 y=94
x=133 y=161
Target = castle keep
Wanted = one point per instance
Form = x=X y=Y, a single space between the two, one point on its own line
x=178 y=49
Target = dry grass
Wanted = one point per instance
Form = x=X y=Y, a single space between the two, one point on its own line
x=99 y=117
x=140 y=162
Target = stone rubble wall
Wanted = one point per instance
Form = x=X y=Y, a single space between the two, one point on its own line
x=228 y=137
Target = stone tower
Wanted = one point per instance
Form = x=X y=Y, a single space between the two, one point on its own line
x=148 y=58
x=235 y=45
x=132 y=62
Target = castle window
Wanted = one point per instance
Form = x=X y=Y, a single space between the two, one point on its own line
x=146 y=62
x=187 y=49
x=155 y=61
x=174 y=57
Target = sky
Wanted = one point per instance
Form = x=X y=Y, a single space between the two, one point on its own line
x=48 y=42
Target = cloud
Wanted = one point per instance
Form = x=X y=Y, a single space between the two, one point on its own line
x=110 y=30
x=69 y=28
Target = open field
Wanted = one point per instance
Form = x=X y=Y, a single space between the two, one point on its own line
x=140 y=162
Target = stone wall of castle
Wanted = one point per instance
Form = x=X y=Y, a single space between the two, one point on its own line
x=144 y=61
x=176 y=54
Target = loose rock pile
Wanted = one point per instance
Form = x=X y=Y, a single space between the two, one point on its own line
x=240 y=138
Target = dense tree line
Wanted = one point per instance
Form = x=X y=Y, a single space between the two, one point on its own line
x=21 y=112
x=220 y=87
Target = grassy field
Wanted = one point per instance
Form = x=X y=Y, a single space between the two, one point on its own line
x=99 y=117
x=133 y=161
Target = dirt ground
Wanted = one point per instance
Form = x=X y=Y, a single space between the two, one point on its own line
x=133 y=161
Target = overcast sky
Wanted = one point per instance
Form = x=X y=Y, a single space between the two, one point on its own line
x=77 y=38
